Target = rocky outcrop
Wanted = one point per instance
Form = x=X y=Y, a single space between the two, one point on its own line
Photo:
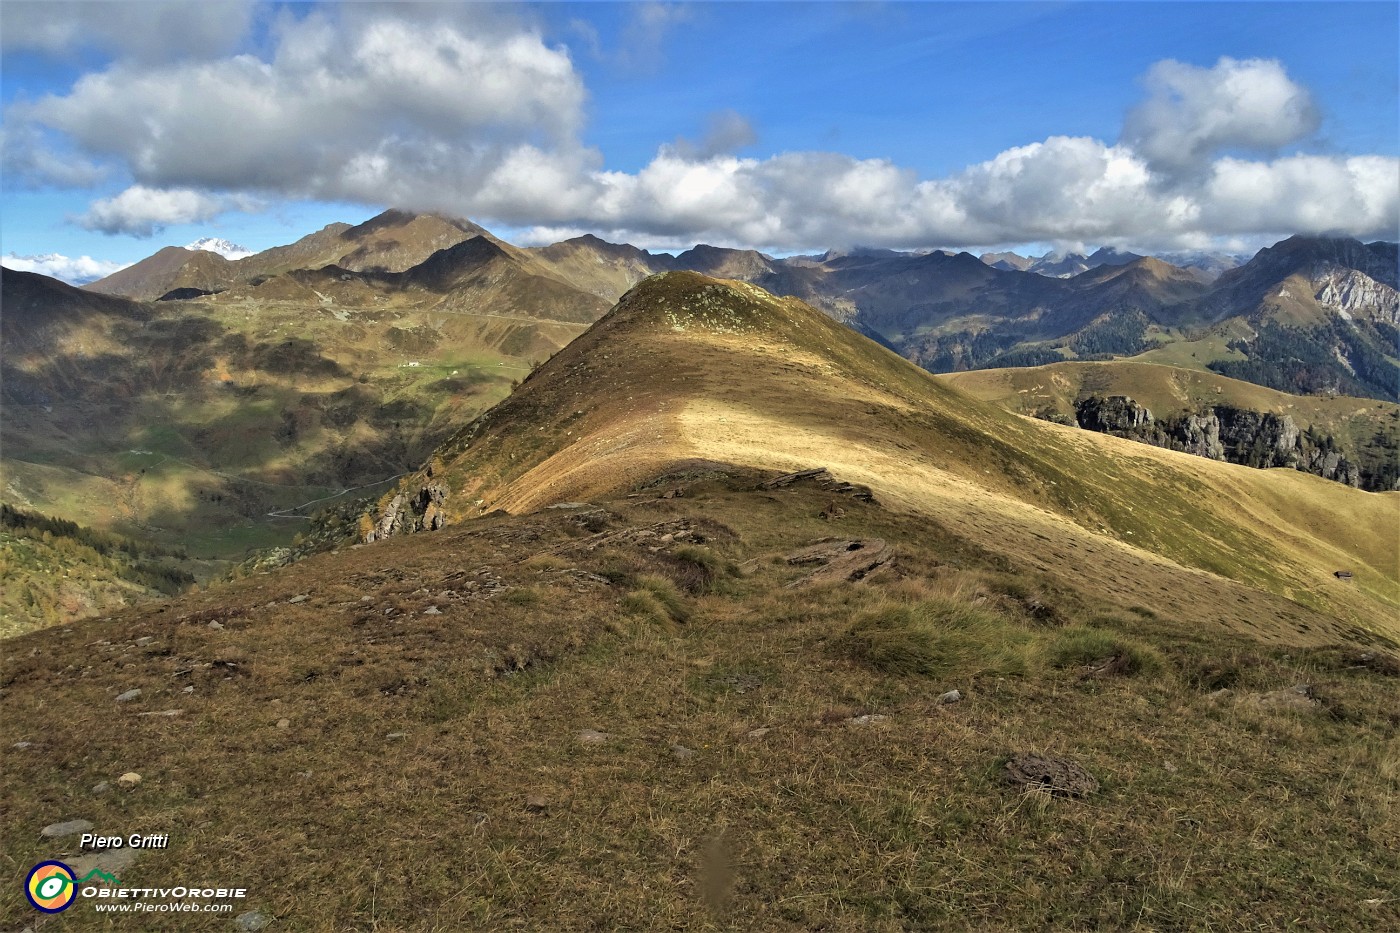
x=1329 y=464
x=1112 y=414
x=1235 y=435
x=1258 y=439
x=406 y=512
x=1354 y=294
x=1200 y=435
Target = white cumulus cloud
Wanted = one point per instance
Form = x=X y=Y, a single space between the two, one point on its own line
x=363 y=108
x=74 y=270
x=1191 y=113
x=141 y=211
x=467 y=110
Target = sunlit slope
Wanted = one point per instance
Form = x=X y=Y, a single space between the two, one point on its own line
x=1162 y=388
x=690 y=368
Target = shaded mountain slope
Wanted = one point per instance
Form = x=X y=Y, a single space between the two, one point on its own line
x=689 y=368
x=216 y=424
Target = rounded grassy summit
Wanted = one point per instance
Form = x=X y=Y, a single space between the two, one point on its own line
x=689 y=369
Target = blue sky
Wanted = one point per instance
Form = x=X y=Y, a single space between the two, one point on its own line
x=783 y=126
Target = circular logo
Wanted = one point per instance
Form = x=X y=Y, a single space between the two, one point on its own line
x=50 y=887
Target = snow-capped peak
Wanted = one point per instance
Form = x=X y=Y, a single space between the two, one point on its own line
x=223 y=247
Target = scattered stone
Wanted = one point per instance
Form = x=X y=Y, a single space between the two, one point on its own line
x=144 y=640
x=110 y=862
x=683 y=753
x=866 y=720
x=216 y=625
x=432 y=611
x=1376 y=661
x=299 y=599
x=252 y=921
x=760 y=732
x=397 y=735
x=284 y=723
x=366 y=599
x=1299 y=697
x=952 y=696
x=23 y=745
x=593 y=736
x=1059 y=776
x=1170 y=767
x=536 y=803
x=189 y=689
x=130 y=779
x=129 y=695
x=68 y=828
x=101 y=787
x=568 y=505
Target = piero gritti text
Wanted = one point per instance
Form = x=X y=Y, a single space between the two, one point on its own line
x=134 y=841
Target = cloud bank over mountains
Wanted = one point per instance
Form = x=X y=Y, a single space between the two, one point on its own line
x=74 y=270
x=466 y=111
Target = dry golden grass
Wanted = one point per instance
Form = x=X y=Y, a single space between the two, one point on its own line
x=491 y=812
x=693 y=368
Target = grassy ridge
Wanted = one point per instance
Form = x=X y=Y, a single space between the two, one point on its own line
x=695 y=368
x=594 y=730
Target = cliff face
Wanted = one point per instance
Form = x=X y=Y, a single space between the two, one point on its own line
x=1354 y=294
x=1113 y=414
x=1234 y=435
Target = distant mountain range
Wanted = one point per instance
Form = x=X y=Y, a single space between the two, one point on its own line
x=1063 y=265
x=1309 y=315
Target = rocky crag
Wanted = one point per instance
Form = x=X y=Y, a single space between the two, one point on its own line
x=1237 y=435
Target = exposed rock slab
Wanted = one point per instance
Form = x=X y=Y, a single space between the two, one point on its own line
x=839 y=560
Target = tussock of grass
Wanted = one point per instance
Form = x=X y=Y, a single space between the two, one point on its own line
x=698 y=569
x=546 y=562
x=1080 y=645
x=523 y=596
x=937 y=637
x=657 y=598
